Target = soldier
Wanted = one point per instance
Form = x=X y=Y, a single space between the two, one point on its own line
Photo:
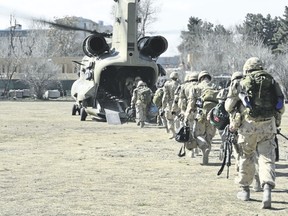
x=184 y=96
x=259 y=102
x=157 y=100
x=203 y=100
x=169 y=89
x=186 y=90
x=141 y=99
x=222 y=96
x=136 y=80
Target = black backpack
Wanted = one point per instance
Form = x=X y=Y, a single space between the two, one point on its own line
x=219 y=117
x=183 y=134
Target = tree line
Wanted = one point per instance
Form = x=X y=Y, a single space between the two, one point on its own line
x=224 y=51
x=204 y=46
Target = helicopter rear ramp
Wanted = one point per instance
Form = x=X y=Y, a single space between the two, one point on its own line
x=112 y=117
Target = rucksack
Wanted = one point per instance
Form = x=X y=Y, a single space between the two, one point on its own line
x=152 y=110
x=183 y=134
x=145 y=95
x=261 y=91
x=219 y=117
x=209 y=98
x=157 y=98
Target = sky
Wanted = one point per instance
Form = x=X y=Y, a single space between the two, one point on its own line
x=172 y=17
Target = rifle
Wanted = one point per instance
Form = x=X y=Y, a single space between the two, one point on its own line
x=230 y=141
x=277 y=145
x=278 y=132
x=130 y=111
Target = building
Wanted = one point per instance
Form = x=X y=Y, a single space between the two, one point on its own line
x=69 y=69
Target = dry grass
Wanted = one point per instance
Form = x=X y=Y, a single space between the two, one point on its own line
x=54 y=164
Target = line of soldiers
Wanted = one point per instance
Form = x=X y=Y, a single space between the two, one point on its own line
x=182 y=104
x=190 y=104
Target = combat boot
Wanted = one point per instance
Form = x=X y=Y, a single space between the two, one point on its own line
x=205 y=156
x=266 y=202
x=244 y=194
x=257 y=185
x=192 y=153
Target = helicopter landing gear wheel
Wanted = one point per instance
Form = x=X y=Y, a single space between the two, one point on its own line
x=83 y=114
x=75 y=109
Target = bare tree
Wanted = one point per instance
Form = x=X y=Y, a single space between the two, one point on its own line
x=279 y=68
x=40 y=75
x=147 y=12
x=65 y=42
x=11 y=52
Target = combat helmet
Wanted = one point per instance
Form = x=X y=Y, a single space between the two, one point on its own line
x=174 y=75
x=187 y=78
x=141 y=83
x=193 y=76
x=203 y=74
x=252 y=64
x=236 y=75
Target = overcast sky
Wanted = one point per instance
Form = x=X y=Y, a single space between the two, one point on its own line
x=172 y=18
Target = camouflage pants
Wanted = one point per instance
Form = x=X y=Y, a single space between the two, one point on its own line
x=263 y=145
x=141 y=111
x=170 y=121
x=206 y=131
x=257 y=141
x=161 y=119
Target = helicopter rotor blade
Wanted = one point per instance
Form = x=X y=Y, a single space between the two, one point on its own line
x=77 y=62
x=71 y=28
x=62 y=26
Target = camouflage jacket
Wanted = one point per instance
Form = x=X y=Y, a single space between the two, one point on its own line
x=185 y=94
x=170 y=87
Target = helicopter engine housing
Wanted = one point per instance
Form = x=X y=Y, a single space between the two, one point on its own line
x=152 y=46
x=95 y=45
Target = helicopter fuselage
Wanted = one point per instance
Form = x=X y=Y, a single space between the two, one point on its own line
x=106 y=68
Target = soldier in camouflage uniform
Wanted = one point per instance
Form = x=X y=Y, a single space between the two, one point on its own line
x=202 y=130
x=157 y=100
x=169 y=92
x=186 y=92
x=256 y=136
x=140 y=104
x=176 y=105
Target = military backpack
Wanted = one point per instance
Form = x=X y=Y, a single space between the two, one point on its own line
x=260 y=88
x=145 y=95
x=157 y=98
x=209 y=98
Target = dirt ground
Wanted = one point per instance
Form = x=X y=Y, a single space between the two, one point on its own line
x=54 y=164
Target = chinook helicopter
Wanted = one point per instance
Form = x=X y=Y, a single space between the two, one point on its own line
x=106 y=69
